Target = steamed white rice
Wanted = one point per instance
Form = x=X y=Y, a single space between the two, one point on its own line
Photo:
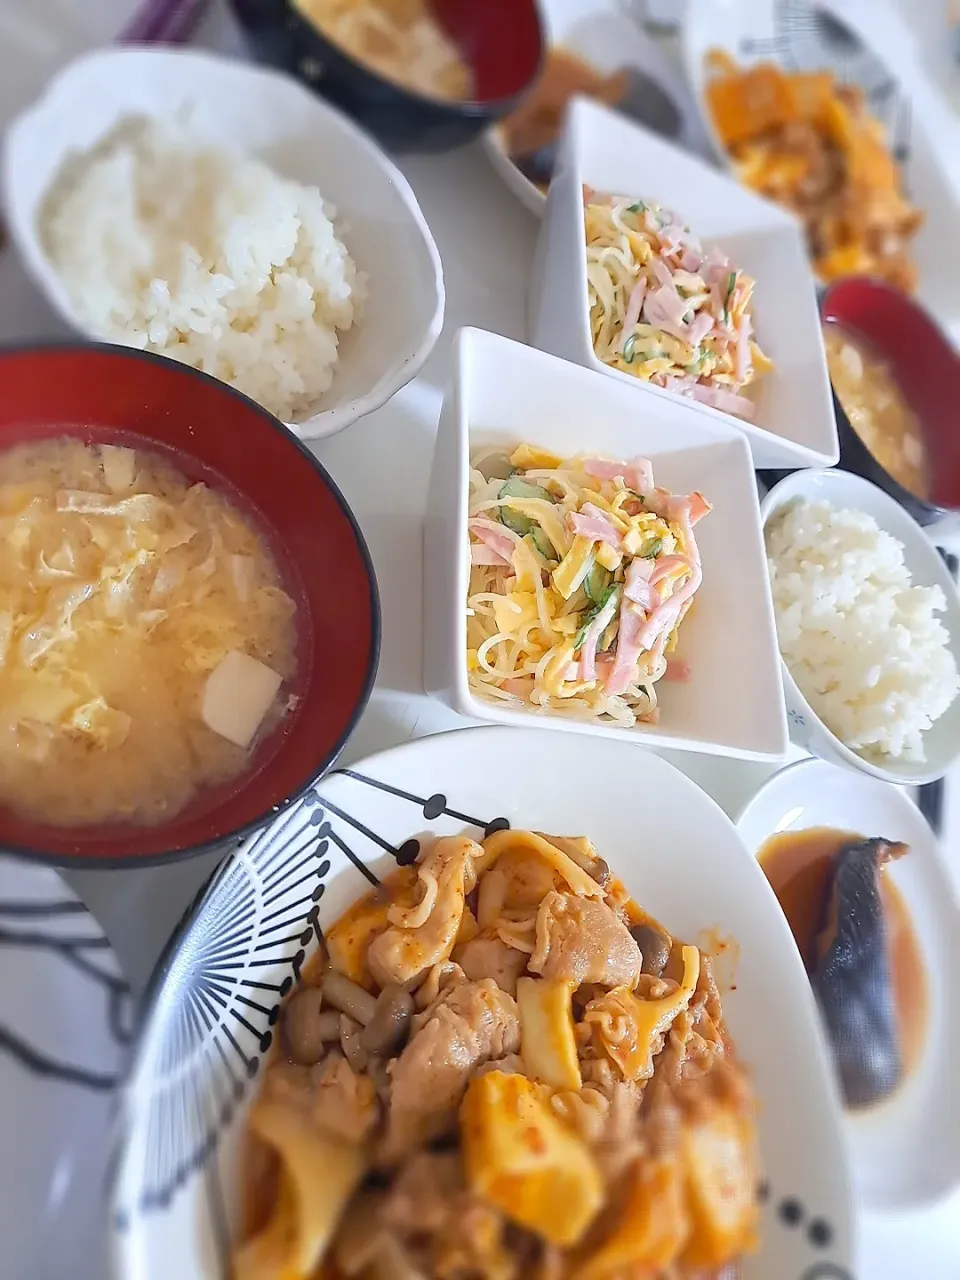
x=863 y=644
x=173 y=245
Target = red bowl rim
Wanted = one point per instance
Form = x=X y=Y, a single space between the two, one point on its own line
x=229 y=839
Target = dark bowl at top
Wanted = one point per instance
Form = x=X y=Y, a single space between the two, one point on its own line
x=500 y=40
x=927 y=370
x=93 y=391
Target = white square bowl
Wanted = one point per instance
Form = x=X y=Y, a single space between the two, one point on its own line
x=795 y=424
x=506 y=393
x=261 y=113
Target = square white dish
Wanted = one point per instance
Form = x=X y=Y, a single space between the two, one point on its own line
x=265 y=114
x=504 y=392
x=795 y=424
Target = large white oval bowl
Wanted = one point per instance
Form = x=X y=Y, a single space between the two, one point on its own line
x=270 y=116
x=214 y=1004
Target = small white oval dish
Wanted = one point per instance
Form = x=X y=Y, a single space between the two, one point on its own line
x=66 y=1021
x=270 y=116
x=209 y=1027
x=807 y=730
x=906 y=1150
x=609 y=39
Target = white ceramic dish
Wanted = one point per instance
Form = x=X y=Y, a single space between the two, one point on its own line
x=65 y=1027
x=906 y=1150
x=270 y=115
x=263 y=914
x=807 y=36
x=505 y=392
x=807 y=730
x=604 y=35
x=794 y=424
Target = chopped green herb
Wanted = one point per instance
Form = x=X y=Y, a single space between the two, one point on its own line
x=628 y=347
x=654 y=549
x=639 y=207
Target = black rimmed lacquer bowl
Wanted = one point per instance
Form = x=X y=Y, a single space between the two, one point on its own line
x=96 y=392
x=501 y=41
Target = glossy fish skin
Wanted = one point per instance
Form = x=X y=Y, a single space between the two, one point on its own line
x=851 y=976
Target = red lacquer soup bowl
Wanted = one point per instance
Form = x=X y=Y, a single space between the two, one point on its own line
x=99 y=392
x=927 y=370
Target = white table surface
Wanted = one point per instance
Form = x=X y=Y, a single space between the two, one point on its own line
x=486 y=241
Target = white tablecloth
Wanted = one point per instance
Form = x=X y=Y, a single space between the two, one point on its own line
x=486 y=240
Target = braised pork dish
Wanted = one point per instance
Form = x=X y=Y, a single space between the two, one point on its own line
x=497 y=1067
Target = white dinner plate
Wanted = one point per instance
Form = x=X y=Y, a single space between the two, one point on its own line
x=802 y=35
x=906 y=1150
x=216 y=997
x=65 y=1026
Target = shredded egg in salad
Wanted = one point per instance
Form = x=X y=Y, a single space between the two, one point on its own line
x=581 y=572
x=664 y=310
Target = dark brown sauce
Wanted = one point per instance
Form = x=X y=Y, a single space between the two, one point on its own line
x=798 y=866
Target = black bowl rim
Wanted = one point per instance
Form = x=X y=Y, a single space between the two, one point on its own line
x=490 y=110
x=910 y=501
x=228 y=838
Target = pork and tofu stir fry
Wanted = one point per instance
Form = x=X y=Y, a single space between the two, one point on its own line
x=500 y=1068
x=812 y=145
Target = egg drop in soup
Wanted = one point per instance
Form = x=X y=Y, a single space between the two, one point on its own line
x=878 y=410
x=147 y=645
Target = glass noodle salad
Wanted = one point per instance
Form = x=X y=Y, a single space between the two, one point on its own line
x=581 y=572
x=664 y=310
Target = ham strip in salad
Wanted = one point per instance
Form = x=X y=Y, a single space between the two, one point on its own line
x=581 y=572
x=665 y=310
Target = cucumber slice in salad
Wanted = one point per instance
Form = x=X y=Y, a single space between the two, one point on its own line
x=543 y=543
x=514 y=487
x=597 y=582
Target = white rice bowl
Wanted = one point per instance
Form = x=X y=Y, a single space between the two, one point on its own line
x=864 y=646
x=174 y=245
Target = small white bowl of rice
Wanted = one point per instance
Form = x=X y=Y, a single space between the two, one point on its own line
x=223 y=215
x=868 y=623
